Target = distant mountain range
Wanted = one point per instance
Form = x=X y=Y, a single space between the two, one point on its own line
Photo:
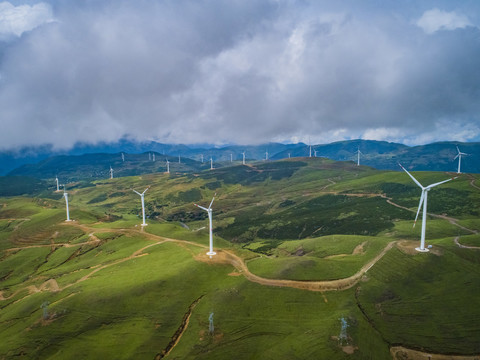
x=93 y=162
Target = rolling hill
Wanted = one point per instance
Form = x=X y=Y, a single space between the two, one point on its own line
x=92 y=162
x=302 y=245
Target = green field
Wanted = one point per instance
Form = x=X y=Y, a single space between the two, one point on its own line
x=101 y=286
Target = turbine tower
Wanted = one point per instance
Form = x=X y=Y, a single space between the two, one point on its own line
x=142 y=196
x=289 y=155
x=56 y=180
x=149 y=156
x=209 y=211
x=423 y=202
x=201 y=157
x=459 y=156
x=153 y=157
x=231 y=157
x=243 y=161
x=358 y=156
x=65 y=195
x=123 y=157
x=111 y=172
x=168 y=167
x=266 y=155
x=211 y=164
x=179 y=161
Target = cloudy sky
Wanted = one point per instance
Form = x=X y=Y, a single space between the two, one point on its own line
x=238 y=71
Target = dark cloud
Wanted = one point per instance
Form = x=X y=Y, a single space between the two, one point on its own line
x=241 y=72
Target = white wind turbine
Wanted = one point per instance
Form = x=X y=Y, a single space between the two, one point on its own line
x=153 y=157
x=168 y=167
x=358 y=156
x=231 y=157
x=179 y=161
x=111 y=172
x=209 y=211
x=423 y=202
x=211 y=164
x=142 y=196
x=459 y=156
x=243 y=161
x=266 y=155
x=65 y=195
x=149 y=156
x=56 y=180
x=123 y=157
x=201 y=157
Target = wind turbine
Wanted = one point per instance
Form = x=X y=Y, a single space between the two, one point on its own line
x=65 y=195
x=123 y=157
x=201 y=157
x=211 y=164
x=358 y=157
x=314 y=153
x=149 y=156
x=142 y=196
x=459 y=156
x=111 y=172
x=423 y=202
x=56 y=179
x=266 y=155
x=179 y=161
x=153 y=157
x=231 y=157
x=209 y=211
x=243 y=162
x=168 y=167
x=289 y=155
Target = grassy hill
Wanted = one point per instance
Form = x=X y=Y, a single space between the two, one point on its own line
x=287 y=233
x=93 y=162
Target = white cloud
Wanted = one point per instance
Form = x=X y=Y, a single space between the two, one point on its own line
x=435 y=19
x=15 y=20
x=220 y=72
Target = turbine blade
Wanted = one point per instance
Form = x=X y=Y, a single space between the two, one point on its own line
x=415 y=180
x=145 y=190
x=458 y=149
x=135 y=191
x=455 y=158
x=210 y=206
x=201 y=207
x=419 y=207
x=441 y=182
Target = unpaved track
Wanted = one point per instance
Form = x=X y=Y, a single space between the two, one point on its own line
x=403 y=353
x=464 y=246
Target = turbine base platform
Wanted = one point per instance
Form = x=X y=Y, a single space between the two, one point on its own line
x=211 y=253
x=68 y=220
x=143 y=224
x=422 y=250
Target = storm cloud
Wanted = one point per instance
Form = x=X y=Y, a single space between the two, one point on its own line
x=240 y=72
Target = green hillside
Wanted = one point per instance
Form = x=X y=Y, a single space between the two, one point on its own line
x=301 y=244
